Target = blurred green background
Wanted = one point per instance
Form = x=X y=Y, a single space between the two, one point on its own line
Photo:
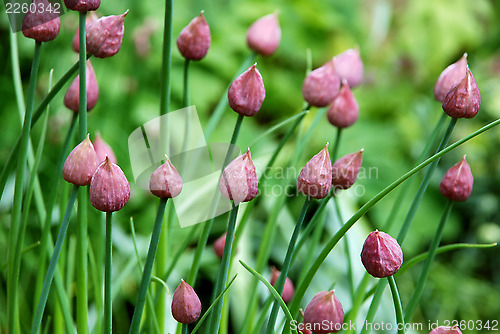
x=404 y=46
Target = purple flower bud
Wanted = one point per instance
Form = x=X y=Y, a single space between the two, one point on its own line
x=41 y=25
x=80 y=164
x=82 y=6
x=315 y=179
x=104 y=36
x=194 y=40
x=109 y=189
x=264 y=35
x=321 y=85
x=464 y=99
x=165 y=181
x=186 y=306
x=89 y=19
x=239 y=179
x=288 y=289
x=219 y=245
x=247 y=92
x=457 y=182
x=324 y=313
x=72 y=97
x=349 y=66
x=450 y=76
x=344 y=110
x=103 y=150
x=381 y=255
x=446 y=330
x=346 y=169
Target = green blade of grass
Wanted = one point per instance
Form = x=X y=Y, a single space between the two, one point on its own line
x=397 y=305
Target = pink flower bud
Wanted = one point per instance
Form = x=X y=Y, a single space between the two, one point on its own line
x=186 y=306
x=194 y=40
x=104 y=36
x=103 y=150
x=239 y=179
x=450 y=76
x=381 y=255
x=346 y=169
x=72 y=97
x=349 y=66
x=80 y=164
x=344 y=110
x=288 y=290
x=264 y=35
x=324 y=313
x=165 y=181
x=91 y=17
x=247 y=92
x=464 y=99
x=457 y=182
x=219 y=245
x=82 y=6
x=446 y=330
x=43 y=23
x=109 y=189
x=321 y=85
x=315 y=179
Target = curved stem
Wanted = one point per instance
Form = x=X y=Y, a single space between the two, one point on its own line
x=148 y=268
x=335 y=149
x=12 y=287
x=400 y=321
x=417 y=292
x=108 y=271
x=280 y=283
x=37 y=321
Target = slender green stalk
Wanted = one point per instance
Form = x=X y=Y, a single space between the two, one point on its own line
x=280 y=283
x=208 y=225
x=148 y=268
x=417 y=292
x=35 y=328
x=12 y=286
x=400 y=321
x=179 y=252
x=335 y=149
x=108 y=271
x=23 y=251
x=186 y=100
x=357 y=301
x=350 y=274
x=368 y=205
x=224 y=267
x=214 y=121
x=263 y=314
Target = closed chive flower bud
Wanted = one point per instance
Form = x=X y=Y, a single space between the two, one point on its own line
x=450 y=76
x=446 y=330
x=344 y=110
x=457 y=182
x=186 y=306
x=82 y=6
x=346 y=169
x=165 y=182
x=42 y=26
x=324 y=313
x=103 y=150
x=91 y=17
x=349 y=66
x=264 y=35
x=109 y=189
x=321 y=85
x=219 y=245
x=288 y=289
x=247 y=92
x=381 y=255
x=239 y=179
x=104 y=36
x=315 y=179
x=72 y=97
x=194 y=40
x=80 y=164
x=464 y=99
